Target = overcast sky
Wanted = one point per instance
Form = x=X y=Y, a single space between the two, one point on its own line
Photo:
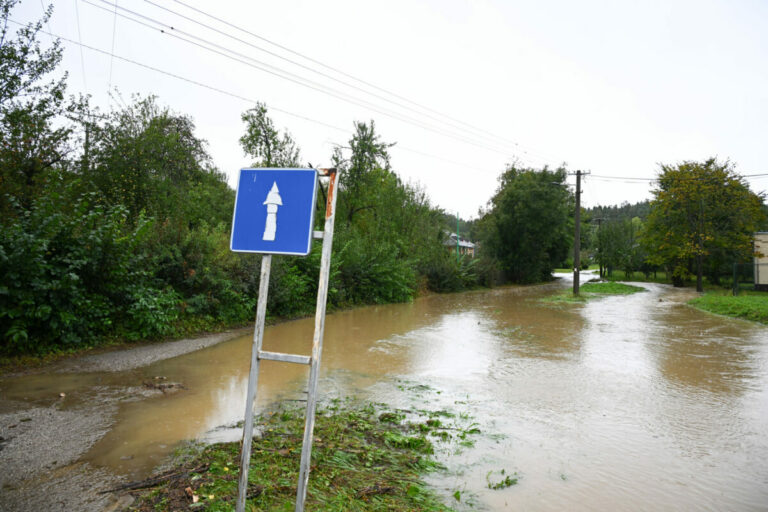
x=611 y=87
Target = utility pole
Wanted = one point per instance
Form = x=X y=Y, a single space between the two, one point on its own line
x=457 y=237
x=577 y=236
x=599 y=244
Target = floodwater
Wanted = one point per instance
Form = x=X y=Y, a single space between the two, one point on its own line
x=624 y=403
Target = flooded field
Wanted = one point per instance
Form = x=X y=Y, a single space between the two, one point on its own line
x=623 y=403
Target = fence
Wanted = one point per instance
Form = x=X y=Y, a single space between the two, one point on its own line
x=750 y=276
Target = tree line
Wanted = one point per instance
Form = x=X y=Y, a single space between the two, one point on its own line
x=700 y=222
x=115 y=225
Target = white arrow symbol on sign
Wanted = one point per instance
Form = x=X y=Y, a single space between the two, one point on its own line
x=273 y=201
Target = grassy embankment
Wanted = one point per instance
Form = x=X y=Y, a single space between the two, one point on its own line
x=718 y=299
x=569 y=270
x=589 y=291
x=749 y=305
x=618 y=275
x=638 y=277
x=363 y=458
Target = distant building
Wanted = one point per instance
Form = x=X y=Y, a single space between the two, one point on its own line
x=761 y=261
x=466 y=248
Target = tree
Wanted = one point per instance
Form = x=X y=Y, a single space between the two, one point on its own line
x=148 y=159
x=615 y=236
x=379 y=242
x=623 y=211
x=699 y=210
x=262 y=141
x=70 y=275
x=364 y=172
x=528 y=227
x=608 y=241
x=31 y=143
x=618 y=246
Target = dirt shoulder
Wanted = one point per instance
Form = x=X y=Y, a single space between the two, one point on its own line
x=43 y=438
x=40 y=449
x=123 y=357
x=128 y=359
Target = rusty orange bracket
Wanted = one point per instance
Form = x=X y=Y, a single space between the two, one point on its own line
x=330 y=173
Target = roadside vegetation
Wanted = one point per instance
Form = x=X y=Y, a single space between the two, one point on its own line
x=593 y=290
x=570 y=270
x=748 y=305
x=365 y=457
x=610 y=289
x=640 y=277
x=699 y=224
x=114 y=226
x=527 y=229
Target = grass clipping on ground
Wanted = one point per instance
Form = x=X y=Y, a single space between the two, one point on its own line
x=749 y=307
x=593 y=289
x=363 y=458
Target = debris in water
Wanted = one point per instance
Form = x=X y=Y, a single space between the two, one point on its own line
x=163 y=386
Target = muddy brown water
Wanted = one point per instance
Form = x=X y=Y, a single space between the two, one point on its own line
x=624 y=403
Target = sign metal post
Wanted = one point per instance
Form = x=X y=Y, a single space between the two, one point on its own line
x=317 y=341
x=253 y=378
x=272 y=208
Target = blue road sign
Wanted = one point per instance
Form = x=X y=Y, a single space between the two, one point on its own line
x=274 y=211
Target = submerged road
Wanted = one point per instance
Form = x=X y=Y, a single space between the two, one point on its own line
x=623 y=403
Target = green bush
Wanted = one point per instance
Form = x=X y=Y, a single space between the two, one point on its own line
x=293 y=284
x=373 y=273
x=749 y=307
x=152 y=313
x=67 y=273
x=448 y=274
x=213 y=283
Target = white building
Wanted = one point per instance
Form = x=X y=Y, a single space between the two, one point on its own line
x=761 y=260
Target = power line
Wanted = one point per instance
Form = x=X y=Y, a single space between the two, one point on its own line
x=111 y=60
x=303 y=66
x=273 y=70
x=179 y=77
x=448 y=160
x=45 y=12
x=336 y=70
x=620 y=178
x=315 y=86
x=630 y=179
x=80 y=38
x=240 y=97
